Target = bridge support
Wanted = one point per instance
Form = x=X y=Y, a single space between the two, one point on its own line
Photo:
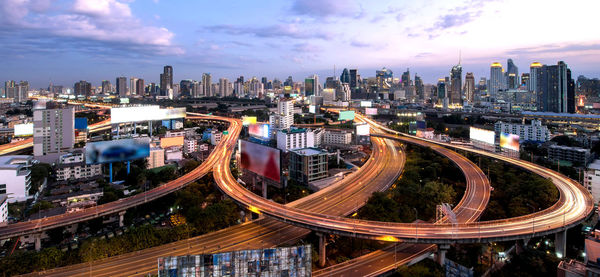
x=121 y=217
x=560 y=244
x=441 y=253
x=245 y=216
x=264 y=189
x=38 y=241
x=322 y=249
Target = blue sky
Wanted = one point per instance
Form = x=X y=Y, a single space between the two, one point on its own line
x=62 y=41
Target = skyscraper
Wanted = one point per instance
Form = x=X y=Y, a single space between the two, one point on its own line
x=533 y=73
x=353 y=78
x=525 y=80
x=512 y=73
x=132 y=86
x=206 y=85
x=345 y=77
x=288 y=82
x=496 y=81
x=384 y=78
x=83 y=88
x=309 y=86
x=264 y=81
x=224 y=87
x=469 y=87
x=121 y=86
x=455 y=91
x=53 y=131
x=9 y=89
x=419 y=87
x=106 y=87
x=166 y=80
x=139 y=86
x=406 y=79
x=556 y=89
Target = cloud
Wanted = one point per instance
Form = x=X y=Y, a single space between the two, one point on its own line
x=306 y=48
x=108 y=23
x=290 y=30
x=327 y=8
x=555 y=48
x=360 y=44
x=454 y=20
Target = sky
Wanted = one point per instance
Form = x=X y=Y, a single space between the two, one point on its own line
x=63 y=41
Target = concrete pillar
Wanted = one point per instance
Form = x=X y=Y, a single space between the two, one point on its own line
x=264 y=189
x=560 y=244
x=245 y=216
x=38 y=241
x=322 y=249
x=121 y=217
x=441 y=253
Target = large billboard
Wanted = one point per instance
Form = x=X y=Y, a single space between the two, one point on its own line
x=248 y=120
x=371 y=111
x=81 y=123
x=117 y=150
x=172 y=141
x=346 y=115
x=509 y=141
x=482 y=135
x=144 y=113
x=293 y=261
x=259 y=130
x=262 y=160
x=23 y=130
x=312 y=109
x=367 y=104
x=362 y=130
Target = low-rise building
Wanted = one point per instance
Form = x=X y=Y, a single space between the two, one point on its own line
x=190 y=145
x=591 y=180
x=173 y=154
x=3 y=209
x=575 y=155
x=533 y=132
x=308 y=164
x=72 y=166
x=215 y=137
x=591 y=265
x=289 y=139
x=156 y=158
x=16 y=177
x=337 y=137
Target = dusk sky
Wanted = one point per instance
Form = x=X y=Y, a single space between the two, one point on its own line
x=63 y=41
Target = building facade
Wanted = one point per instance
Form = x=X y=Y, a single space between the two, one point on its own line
x=307 y=165
x=535 y=132
x=16 y=177
x=53 y=131
x=289 y=139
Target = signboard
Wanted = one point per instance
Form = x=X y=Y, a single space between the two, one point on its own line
x=144 y=113
x=23 y=130
x=363 y=130
x=259 y=130
x=367 y=104
x=312 y=109
x=117 y=150
x=482 y=135
x=247 y=120
x=172 y=141
x=124 y=100
x=81 y=123
x=509 y=141
x=371 y=111
x=262 y=160
x=346 y=115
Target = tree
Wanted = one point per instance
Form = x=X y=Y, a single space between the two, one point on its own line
x=381 y=208
x=39 y=172
x=40 y=206
x=426 y=268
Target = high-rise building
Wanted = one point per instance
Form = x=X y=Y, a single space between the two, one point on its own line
x=496 y=81
x=556 y=89
x=106 y=87
x=406 y=79
x=419 y=87
x=224 y=87
x=9 y=89
x=16 y=91
x=353 y=78
x=384 y=78
x=139 y=86
x=525 y=80
x=238 y=88
x=533 y=73
x=83 y=88
x=288 y=82
x=53 y=131
x=455 y=89
x=166 y=80
x=309 y=86
x=122 y=86
x=284 y=118
x=133 y=86
x=264 y=81
x=469 y=87
x=441 y=90
x=256 y=88
x=206 y=85
x=512 y=73
x=345 y=77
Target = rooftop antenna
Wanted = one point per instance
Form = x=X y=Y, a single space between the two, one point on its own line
x=334 y=76
x=459 y=56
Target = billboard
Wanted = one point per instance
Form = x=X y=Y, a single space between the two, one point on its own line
x=262 y=160
x=362 y=130
x=23 y=130
x=144 y=113
x=247 y=120
x=117 y=150
x=482 y=135
x=367 y=104
x=421 y=124
x=312 y=109
x=81 y=123
x=172 y=141
x=124 y=100
x=259 y=130
x=509 y=141
x=371 y=111
x=346 y=115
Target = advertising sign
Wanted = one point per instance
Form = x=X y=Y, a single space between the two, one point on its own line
x=23 y=130
x=262 y=160
x=172 y=141
x=117 y=150
x=346 y=115
x=144 y=113
x=312 y=109
x=81 y=123
x=371 y=111
x=367 y=104
x=509 y=141
x=247 y=120
x=482 y=135
x=259 y=130
x=362 y=130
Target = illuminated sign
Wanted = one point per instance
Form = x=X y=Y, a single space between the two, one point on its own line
x=247 y=120
x=117 y=150
x=362 y=130
x=124 y=100
x=371 y=111
x=367 y=104
x=346 y=115
x=312 y=109
x=81 y=123
x=23 y=130
x=509 y=141
x=482 y=135
x=172 y=141
x=259 y=130
x=262 y=160
x=144 y=113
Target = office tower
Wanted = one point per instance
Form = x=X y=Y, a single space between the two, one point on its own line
x=345 y=77
x=106 y=87
x=264 y=81
x=343 y=92
x=309 y=86
x=525 y=80
x=556 y=89
x=533 y=73
x=166 y=80
x=441 y=90
x=206 y=84
x=406 y=79
x=83 y=88
x=139 y=86
x=276 y=84
x=122 y=86
x=9 y=88
x=419 y=87
x=288 y=82
x=224 y=87
x=496 y=81
x=469 y=87
x=16 y=91
x=353 y=78
x=511 y=68
x=285 y=115
x=132 y=86
x=455 y=89
x=186 y=87
x=238 y=88
x=53 y=131
x=384 y=78
x=512 y=81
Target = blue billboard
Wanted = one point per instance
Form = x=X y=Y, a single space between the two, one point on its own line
x=81 y=123
x=117 y=150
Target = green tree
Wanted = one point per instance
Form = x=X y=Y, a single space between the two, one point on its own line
x=40 y=206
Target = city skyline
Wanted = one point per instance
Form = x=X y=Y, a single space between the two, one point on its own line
x=66 y=41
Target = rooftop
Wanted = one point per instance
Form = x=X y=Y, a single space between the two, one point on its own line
x=14 y=162
x=595 y=165
x=308 y=151
x=294 y=131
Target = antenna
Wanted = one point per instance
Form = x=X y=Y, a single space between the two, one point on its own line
x=334 y=76
x=459 y=56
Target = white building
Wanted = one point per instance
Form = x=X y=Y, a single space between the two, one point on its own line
x=156 y=158
x=190 y=145
x=173 y=154
x=534 y=132
x=319 y=133
x=295 y=138
x=72 y=166
x=337 y=137
x=3 y=209
x=53 y=131
x=215 y=137
x=284 y=118
x=16 y=177
x=591 y=179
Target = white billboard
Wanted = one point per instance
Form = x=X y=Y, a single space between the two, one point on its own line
x=362 y=130
x=144 y=113
x=23 y=130
x=482 y=135
x=367 y=104
x=371 y=111
x=312 y=109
